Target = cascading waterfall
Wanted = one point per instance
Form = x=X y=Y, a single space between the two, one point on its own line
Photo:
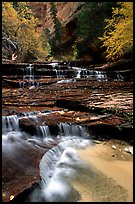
x=74 y=73
x=10 y=123
x=50 y=159
x=29 y=73
x=21 y=84
x=68 y=130
x=77 y=72
x=100 y=76
x=29 y=78
x=64 y=130
x=96 y=75
x=60 y=73
x=44 y=131
x=93 y=74
x=59 y=167
x=119 y=77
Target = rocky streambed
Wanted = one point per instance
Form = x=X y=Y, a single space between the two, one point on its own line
x=60 y=101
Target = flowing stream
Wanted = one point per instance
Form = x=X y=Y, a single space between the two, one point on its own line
x=59 y=164
x=60 y=167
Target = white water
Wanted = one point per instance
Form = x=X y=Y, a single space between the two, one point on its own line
x=29 y=78
x=44 y=131
x=10 y=123
x=59 y=167
x=66 y=81
x=72 y=130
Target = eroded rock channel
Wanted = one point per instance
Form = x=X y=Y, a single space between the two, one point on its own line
x=46 y=104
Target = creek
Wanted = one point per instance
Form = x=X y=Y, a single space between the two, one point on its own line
x=41 y=139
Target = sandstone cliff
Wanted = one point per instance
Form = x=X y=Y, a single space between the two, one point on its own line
x=67 y=13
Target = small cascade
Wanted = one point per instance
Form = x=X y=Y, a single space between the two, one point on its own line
x=10 y=123
x=59 y=167
x=60 y=73
x=50 y=159
x=91 y=74
x=119 y=77
x=64 y=132
x=68 y=135
x=21 y=84
x=100 y=76
x=44 y=131
x=70 y=130
x=29 y=75
x=78 y=74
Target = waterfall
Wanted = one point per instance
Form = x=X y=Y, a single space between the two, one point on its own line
x=44 y=131
x=59 y=167
x=70 y=130
x=119 y=77
x=100 y=76
x=64 y=132
x=60 y=73
x=93 y=74
x=10 y=123
x=71 y=136
x=29 y=75
x=21 y=84
x=56 y=68
x=78 y=75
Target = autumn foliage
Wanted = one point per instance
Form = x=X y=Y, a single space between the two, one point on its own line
x=103 y=30
x=118 y=35
x=20 y=25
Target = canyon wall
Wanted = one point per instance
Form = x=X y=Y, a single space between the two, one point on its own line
x=67 y=13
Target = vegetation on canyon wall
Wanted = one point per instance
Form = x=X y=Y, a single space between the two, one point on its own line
x=20 y=33
x=90 y=26
x=103 y=30
x=118 y=35
x=55 y=42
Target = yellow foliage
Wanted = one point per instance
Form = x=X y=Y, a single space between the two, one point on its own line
x=10 y=20
x=21 y=27
x=118 y=35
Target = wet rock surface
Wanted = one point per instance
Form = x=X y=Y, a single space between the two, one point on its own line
x=105 y=108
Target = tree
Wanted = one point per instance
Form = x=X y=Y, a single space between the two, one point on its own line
x=10 y=20
x=19 y=26
x=56 y=41
x=10 y=24
x=45 y=40
x=90 y=25
x=118 y=34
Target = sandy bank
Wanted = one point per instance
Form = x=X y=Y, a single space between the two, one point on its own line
x=110 y=178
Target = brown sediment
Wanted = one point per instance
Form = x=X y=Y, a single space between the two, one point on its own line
x=110 y=178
